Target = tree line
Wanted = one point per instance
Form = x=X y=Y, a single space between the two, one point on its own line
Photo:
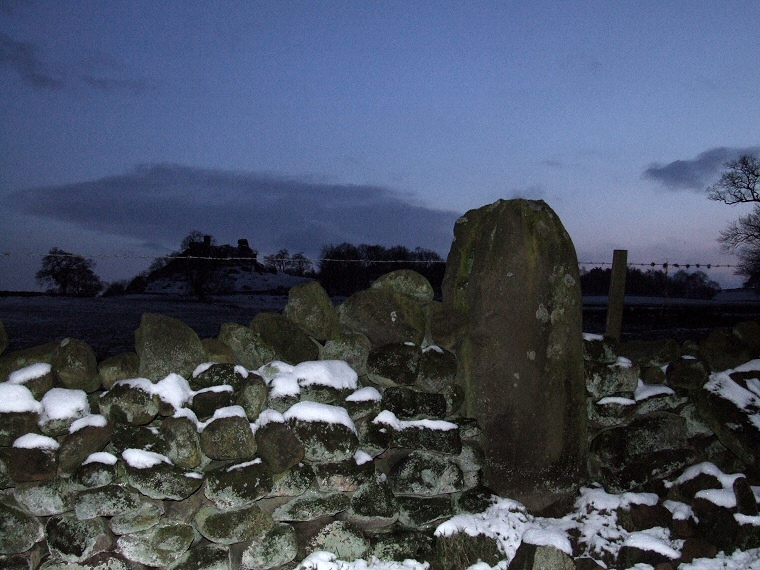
x=345 y=268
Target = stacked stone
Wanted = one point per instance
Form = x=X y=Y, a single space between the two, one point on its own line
x=320 y=429
x=651 y=414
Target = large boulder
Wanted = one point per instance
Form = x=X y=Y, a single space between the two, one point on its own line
x=166 y=345
x=75 y=366
x=247 y=346
x=513 y=273
x=289 y=342
x=384 y=316
x=310 y=308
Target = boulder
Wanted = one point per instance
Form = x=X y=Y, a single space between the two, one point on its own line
x=685 y=375
x=239 y=485
x=351 y=347
x=230 y=526
x=394 y=364
x=19 y=413
x=18 y=529
x=344 y=476
x=648 y=448
x=32 y=458
x=108 y=501
x=604 y=380
x=326 y=432
x=203 y=556
x=62 y=407
x=98 y=470
x=426 y=474
x=206 y=401
x=88 y=436
x=47 y=498
x=541 y=557
x=513 y=273
x=730 y=410
x=373 y=505
x=75 y=366
x=219 y=374
x=73 y=540
x=156 y=477
x=424 y=513
x=722 y=349
x=157 y=546
x=165 y=345
x=311 y=309
x=228 y=436
x=217 y=351
x=252 y=396
x=276 y=547
x=384 y=317
x=146 y=516
x=402 y=545
x=119 y=367
x=183 y=445
x=650 y=352
x=130 y=401
x=278 y=446
x=17 y=359
x=247 y=346
x=310 y=506
x=38 y=378
x=461 y=550
x=342 y=538
x=407 y=403
x=288 y=341
x=437 y=370
x=407 y=283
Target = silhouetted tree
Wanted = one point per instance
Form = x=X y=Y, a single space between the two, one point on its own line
x=739 y=185
x=346 y=268
x=652 y=283
x=71 y=274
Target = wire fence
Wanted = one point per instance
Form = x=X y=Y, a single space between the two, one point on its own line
x=652 y=264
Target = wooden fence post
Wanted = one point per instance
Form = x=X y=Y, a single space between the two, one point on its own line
x=617 y=294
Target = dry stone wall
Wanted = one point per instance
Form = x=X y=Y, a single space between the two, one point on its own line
x=321 y=429
x=125 y=463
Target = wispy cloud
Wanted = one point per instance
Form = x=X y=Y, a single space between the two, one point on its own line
x=696 y=173
x=94 y=70
x=162 y=203
x=24 y=59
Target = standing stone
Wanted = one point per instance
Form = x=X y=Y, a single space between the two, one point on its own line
x=512 y=273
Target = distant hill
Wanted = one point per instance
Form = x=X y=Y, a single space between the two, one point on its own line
x=204 y=269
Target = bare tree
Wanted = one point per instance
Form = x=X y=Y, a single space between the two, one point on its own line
x=739 y=185
x=71 y=274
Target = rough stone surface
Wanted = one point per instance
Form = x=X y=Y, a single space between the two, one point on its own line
x=166 y=345
x=311 y=308
x=246 y=346
x=73 y=540
x=277 y=546
x=228 y=438
x=119 y=367
x=384 y=317
x=231 y=526
x=532 y=557
x=157 y=546
x=408 y=283
x=236 y=486
x=351 y=347
x=75 y=366
x=18 y=529
x=512 y=263
x=288 y=341
x=278 y=446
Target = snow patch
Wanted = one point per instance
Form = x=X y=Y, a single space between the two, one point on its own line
x=101 y=457
x=93 y=420
x=63 y=403
x=368 y=394
x=141 y=459
x=35 y=441
x=17 y=398
x=24 y=375
x=389 y=418
x=316 y=412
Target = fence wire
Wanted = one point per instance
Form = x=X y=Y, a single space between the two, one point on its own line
x=652 y=264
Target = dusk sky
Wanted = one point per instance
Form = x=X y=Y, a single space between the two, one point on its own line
x=126 y=124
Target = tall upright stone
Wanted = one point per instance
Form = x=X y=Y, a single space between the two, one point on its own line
x=512 y=274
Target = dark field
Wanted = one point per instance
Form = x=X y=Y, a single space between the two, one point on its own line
x=108 y=324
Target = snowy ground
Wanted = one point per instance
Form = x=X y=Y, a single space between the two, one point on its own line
x=108 y=323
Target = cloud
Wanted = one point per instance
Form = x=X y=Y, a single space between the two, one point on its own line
x=697 y=173
x=161 y=204
x=24 y=59
x=94 y=69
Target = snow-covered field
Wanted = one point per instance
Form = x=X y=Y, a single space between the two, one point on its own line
x=108 y=323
